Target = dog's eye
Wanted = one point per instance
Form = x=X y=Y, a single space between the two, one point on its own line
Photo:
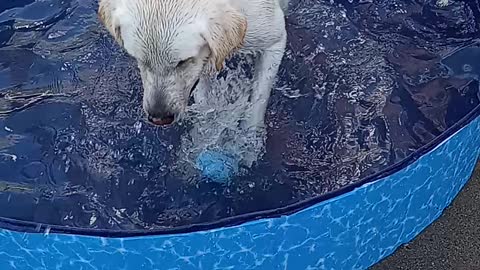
x=185 y=62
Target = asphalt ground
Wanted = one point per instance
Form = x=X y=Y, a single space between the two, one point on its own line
x=452 y=242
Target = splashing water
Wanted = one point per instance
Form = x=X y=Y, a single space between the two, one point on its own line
x=215 y=122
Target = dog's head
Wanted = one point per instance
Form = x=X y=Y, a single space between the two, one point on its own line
x=174 y=43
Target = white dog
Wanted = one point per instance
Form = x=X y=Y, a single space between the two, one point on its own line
x=178 y=42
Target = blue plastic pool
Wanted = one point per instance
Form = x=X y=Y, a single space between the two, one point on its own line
x=373 y=128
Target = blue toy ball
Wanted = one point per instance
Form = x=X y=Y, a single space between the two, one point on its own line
x=216 y=166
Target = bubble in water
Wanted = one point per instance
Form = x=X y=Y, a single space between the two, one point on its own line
x=138 y=127
x=467 y=68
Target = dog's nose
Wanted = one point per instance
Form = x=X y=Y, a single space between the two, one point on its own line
x=158 y=113
x=161 y=121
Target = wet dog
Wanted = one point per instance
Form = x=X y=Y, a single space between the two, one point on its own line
x=179 y=43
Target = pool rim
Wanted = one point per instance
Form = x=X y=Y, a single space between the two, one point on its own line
x=34 y=227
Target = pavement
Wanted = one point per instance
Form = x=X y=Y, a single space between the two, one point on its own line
x=451 y=243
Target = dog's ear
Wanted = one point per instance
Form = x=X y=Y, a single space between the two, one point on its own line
x=105 y=14
x=225 y=34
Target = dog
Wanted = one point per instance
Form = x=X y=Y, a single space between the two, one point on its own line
x=178 y=44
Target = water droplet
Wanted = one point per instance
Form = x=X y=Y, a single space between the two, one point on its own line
x=467 y=68
x=138 y=127
x=56 y=34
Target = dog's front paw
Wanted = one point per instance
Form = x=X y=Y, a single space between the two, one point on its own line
x=253 y=122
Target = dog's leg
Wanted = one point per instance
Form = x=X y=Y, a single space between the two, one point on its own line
x=266 y=70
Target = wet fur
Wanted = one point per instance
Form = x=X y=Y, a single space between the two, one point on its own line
x=162 y=34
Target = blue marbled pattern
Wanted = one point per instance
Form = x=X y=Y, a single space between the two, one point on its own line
x=352 y=231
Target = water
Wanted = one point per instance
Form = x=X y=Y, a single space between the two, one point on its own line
x=363 y=85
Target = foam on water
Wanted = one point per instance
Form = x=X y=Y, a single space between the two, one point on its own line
x=215 y=123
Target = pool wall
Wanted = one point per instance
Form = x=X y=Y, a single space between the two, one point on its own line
x=351 y=231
